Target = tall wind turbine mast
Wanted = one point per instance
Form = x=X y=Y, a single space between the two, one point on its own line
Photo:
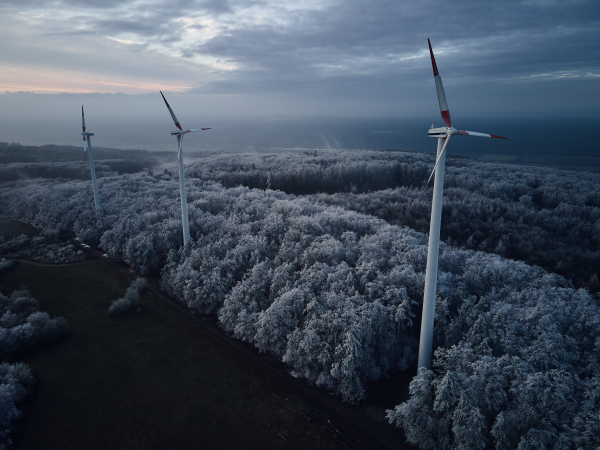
x=87 y=140
x=443 y=136
x=179 y=133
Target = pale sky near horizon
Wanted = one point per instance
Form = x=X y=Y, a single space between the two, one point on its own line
x=329 y=57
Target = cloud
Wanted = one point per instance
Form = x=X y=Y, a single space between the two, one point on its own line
x=379 y=40
x=368 y=50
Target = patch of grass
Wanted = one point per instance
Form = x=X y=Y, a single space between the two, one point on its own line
x=155 y=380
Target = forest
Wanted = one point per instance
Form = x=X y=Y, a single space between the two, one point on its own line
x=60 y=161
x=318 y=258
x=23 y=328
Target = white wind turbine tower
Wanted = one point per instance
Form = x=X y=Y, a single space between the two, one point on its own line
x=88 y=141
x=179 y=134
x=443 y=135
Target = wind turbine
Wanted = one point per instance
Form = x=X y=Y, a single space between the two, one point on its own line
x=88 y=141
x=179 y=134
x=443 y=136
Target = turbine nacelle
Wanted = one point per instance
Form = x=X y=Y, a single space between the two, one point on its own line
x=442 y=132
x=87 y=134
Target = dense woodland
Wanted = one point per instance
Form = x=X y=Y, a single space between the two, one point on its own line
x=19 y=162
x=291 y=255
x=17 y=153
x=541 y=216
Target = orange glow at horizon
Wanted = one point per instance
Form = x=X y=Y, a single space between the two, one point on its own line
x=44 y=81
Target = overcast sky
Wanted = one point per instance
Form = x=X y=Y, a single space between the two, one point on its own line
x=305 y=57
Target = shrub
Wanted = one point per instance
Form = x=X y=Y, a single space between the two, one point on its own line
x=23 y=327
x=129 y=302
x=16 y=383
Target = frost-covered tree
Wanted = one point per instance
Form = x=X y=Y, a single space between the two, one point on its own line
x=16 y=383
x=129 y=302
x=5 y=264
x=23 y=327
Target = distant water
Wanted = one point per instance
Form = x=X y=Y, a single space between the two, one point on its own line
x=567 y=138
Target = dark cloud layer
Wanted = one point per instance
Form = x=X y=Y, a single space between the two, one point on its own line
x=368 y=50
x=372 y=39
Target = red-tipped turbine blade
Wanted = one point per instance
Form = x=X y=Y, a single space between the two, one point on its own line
x=172 y=113
x=197 y=129
x=485 y=135
x=440 y=90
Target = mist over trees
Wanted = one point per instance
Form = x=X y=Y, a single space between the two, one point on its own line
x=313 y=172
x=17 y=153
x=78 y=170
x=19 y=162
x=336 y=294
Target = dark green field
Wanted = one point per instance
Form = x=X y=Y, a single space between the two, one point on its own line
x=155 y=380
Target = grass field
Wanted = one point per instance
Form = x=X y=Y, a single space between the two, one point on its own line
x=155 y=380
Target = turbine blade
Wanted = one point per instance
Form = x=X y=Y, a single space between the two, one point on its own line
x=82 y=122
x=485 y=135
x=434 y=167
x=171 y=111
x=197 y=129
x=440 y=89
